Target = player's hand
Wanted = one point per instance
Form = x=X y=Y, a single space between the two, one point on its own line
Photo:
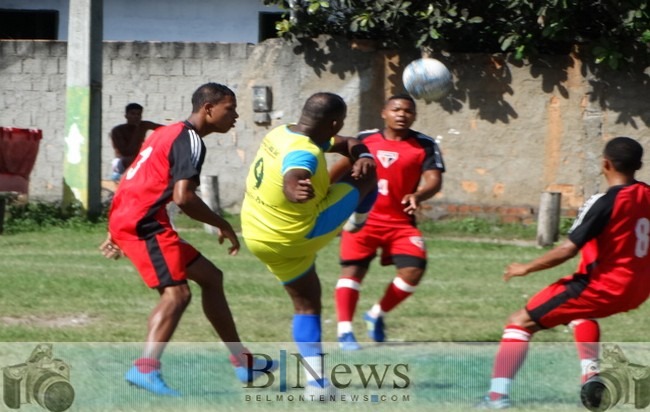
x=411 y=202
x=304 y=191
x=110 y=250
x=515 y=269
x=227 y=232
x=363 y=167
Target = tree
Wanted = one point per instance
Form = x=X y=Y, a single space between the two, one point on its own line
x=613 y=33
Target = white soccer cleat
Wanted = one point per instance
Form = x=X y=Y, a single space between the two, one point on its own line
x=486 y=403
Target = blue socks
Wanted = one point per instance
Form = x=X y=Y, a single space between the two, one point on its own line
x=307 y=335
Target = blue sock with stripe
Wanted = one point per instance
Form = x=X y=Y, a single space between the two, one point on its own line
x=307 y=335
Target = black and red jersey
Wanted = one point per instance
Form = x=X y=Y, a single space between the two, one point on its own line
x=613 y=232
x=400 y=164
x=170 y=154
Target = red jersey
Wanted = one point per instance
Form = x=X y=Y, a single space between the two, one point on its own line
x=613 y=232
x=170 y=154
x=400 y=164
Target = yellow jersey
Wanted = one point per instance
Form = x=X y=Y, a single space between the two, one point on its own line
x=267 y=215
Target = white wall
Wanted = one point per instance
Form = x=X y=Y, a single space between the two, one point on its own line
x=228 y=21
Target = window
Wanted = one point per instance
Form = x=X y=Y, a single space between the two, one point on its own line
x=267 y=22
x=29 y=24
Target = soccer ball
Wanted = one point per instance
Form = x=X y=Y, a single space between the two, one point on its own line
x=427 y=79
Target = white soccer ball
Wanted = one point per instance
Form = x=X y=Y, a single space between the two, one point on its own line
x=427 y=79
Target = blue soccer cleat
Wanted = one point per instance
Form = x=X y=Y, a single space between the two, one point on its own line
x=375 y=327
x=347 y=341
x=152 y=382
x=260 y=367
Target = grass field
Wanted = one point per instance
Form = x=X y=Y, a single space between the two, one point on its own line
x=58 y=288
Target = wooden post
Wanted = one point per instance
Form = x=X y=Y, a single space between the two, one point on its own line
x=210 y=195
x=548 y=221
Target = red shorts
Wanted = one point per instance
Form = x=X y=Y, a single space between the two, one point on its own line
x=402 y=246
x=162 y=259
x=573 y=297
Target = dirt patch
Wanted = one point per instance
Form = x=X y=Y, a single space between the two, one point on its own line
x=48 y=322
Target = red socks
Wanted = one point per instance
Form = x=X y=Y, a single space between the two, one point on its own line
x=147 y=365
x=510 y=356
x=586 y=334
x=245 y=358
x=395 y=293
x=347 y=296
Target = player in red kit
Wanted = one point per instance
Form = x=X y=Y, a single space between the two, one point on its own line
x=167 y=169
x=612 y=232
x=409 y=171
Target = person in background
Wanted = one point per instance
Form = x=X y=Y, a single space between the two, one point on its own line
x=127 y=139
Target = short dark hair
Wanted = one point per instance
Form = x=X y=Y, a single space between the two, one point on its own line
x=625 y=154
x=400 y=96
x=209 y=93
x=133 y=106
x=324 y=106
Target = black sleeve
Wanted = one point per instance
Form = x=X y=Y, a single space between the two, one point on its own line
x=592 y=217
x=186 y=156
x=433 y=155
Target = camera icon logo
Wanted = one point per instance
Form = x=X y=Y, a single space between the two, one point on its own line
x=618 y=382
x=41 y=379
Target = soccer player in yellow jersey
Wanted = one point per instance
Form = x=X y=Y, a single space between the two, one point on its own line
x=291 y=210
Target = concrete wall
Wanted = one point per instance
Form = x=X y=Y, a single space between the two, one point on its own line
x=508 y=131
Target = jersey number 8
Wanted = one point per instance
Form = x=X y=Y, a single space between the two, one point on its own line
x=642 y=231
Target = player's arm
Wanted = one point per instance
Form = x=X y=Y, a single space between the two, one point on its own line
x=118 y=141
x=297 y=186
x=148 y=125
x=193 y=206
x=363 y=162
x=340 y=168
x=109 y=249
x=591 y=221
x=430 y=185
x=552 y=258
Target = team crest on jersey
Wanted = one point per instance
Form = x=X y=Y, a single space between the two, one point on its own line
x=417 y=241
x=387 y=158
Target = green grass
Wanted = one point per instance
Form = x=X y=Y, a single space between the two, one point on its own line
x=58 y=288
x=57 y=277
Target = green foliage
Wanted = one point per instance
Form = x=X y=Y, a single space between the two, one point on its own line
x=565 y=225
x=35 y=216
x=611 y=33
